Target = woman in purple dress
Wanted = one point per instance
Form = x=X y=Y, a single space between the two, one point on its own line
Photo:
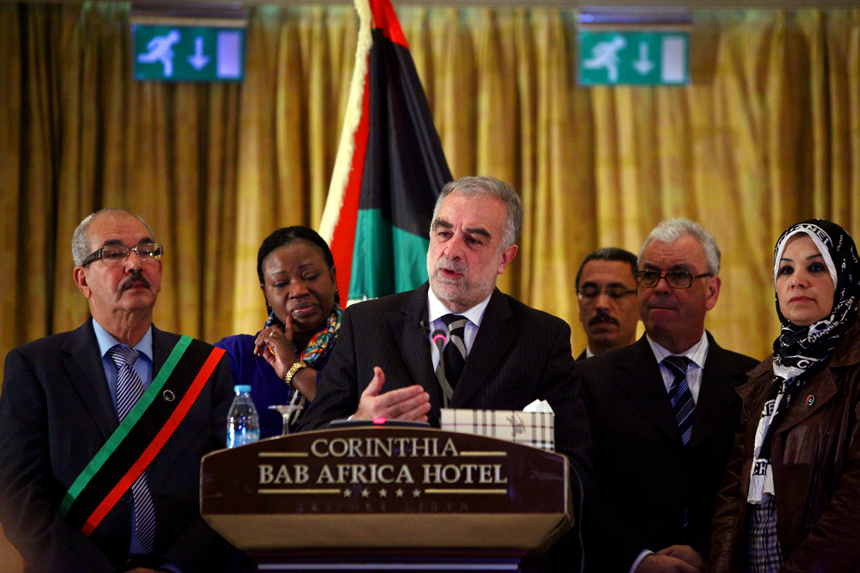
x=297 y=276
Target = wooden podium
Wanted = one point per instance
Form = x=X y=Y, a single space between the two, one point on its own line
x=353 y=497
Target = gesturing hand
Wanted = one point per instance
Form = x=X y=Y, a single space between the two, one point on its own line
x=410 y=403
x=276 y=347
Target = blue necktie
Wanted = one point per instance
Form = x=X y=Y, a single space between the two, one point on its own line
x=680 y=396
x=129 y=389
x=683 y=407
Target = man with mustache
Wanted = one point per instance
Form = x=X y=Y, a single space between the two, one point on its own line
x=606 y=293
x=102 y=428
x=663 y=411
x=386 y=364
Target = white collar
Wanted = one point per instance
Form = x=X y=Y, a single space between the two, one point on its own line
x=436 y=309
x=107 y=341
x=696 y=353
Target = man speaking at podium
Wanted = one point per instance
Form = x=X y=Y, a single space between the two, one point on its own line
x=497 y=353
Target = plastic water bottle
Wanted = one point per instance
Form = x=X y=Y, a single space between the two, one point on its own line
x=243 y=423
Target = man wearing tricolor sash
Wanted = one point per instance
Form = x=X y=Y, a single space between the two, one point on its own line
x=102 y=428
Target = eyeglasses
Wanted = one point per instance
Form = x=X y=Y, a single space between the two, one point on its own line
x=116 y=253
x=675 y=279
x=591 y=292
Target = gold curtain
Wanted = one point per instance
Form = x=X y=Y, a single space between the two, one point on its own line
x=768 y=133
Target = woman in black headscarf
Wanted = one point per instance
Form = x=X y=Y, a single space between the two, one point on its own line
x=790 y=499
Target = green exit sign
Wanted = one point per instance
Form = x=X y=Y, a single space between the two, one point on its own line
x=188 y=53
x=633 y=58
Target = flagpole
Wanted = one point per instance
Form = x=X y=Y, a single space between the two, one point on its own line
x=341 y=208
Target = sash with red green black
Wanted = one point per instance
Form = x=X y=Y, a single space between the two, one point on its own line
x=139 y=438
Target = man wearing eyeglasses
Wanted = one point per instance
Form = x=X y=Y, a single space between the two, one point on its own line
x=606 y=292
x=71 y=499
x=663 y=411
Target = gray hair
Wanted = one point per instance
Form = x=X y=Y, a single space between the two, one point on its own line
x=80 y=241
x=488 y=187
x=671 y=230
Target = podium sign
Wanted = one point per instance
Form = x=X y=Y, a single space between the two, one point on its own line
x=386 y=487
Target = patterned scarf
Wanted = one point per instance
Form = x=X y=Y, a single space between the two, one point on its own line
x=318 y=344
x=801 y=351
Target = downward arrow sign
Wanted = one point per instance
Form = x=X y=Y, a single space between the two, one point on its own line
x=198 y=61
x=643 y=65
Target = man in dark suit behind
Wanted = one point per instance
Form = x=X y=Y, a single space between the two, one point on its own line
x=663 y=431
x=385 y=363
x=606 y=300
x=61 y=400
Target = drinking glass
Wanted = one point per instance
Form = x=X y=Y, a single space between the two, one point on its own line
x=287 y=411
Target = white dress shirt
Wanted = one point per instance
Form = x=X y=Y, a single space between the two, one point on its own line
x=698 y=354
x=436 y=310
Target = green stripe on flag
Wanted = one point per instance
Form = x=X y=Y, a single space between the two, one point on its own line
x=386 y=259
x=410 y=260
x=125 y=427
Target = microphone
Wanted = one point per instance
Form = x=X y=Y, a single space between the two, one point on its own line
x=440 y=337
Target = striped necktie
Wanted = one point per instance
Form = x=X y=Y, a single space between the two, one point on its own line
x=683 y=407
x=129 y=389
x=455 y=351
x=680 y=396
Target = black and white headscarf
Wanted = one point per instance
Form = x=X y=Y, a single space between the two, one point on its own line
x=801 y=351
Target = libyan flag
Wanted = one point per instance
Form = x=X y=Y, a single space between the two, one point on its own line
x=389 y=167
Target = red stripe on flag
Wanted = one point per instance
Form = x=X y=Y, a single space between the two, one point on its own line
x=343 y=237
x=385 y=17
x=157 y=443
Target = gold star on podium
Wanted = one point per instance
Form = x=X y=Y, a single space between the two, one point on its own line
x=399 y=492
x=416 y=493
x=346 y=493
x=365 y=492
x=383 y=493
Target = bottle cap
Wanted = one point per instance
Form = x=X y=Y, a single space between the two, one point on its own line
x=240 y=388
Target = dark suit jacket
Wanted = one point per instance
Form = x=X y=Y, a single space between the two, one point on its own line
x=519 y=355
x=55 y=414
x=645 y=476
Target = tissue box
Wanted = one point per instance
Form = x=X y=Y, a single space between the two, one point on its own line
x=535 y=429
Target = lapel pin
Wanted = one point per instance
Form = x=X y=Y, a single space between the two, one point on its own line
x=810 y=400
x=169 y=396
